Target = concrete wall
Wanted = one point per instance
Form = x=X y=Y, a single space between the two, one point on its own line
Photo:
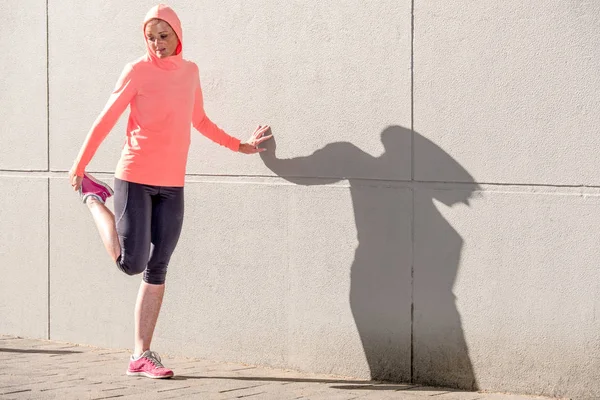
x=427 y=212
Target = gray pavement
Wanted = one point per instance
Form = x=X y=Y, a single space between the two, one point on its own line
x=39 y=369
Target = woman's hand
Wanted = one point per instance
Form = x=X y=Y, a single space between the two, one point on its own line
x=75 y=180
x=251 y=146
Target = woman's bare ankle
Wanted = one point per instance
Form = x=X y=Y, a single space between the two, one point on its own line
x=92 y=202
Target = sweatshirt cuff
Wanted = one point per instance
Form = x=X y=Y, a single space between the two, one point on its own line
x=79 y=169
x=234 y=144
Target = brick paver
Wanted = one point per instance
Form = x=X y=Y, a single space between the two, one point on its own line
x=38 y=369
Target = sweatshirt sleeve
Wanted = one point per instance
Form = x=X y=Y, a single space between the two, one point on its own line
x=117 y=103
x=205 y=126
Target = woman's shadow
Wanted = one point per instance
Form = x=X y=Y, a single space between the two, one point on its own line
x=403 y=305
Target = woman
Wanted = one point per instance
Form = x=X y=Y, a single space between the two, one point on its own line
x=165 y=98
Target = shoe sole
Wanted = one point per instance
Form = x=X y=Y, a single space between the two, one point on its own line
x=147 y=375
x=99 y=182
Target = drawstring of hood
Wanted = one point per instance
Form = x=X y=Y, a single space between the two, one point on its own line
x=167 y=14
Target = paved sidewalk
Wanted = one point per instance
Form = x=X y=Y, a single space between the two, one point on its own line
x=38 y=369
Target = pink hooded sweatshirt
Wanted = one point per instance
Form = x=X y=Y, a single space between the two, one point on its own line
x=165 y=98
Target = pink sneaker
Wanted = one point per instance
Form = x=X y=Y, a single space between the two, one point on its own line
x=148 y=365
x=92 y=187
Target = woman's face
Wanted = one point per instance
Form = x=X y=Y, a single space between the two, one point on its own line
x=161 y=38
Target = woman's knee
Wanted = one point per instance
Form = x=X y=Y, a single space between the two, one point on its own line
x=131 y=265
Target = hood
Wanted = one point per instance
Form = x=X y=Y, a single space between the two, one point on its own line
x=167 y=14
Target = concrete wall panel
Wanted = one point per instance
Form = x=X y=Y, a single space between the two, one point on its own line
x=506 y=292
x=317 y=72
x=350 y=249
x=509 y=88
x=270 y=272
x=23 y=126
x=230 y=270
x=24 y=255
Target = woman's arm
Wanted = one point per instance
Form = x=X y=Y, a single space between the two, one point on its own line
x=115 y=106
x=205 y=126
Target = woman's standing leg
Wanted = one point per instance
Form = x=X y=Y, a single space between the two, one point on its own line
x=167 y=221
x=147 y=308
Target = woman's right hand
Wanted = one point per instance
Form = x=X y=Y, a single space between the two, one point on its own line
x=75 y=180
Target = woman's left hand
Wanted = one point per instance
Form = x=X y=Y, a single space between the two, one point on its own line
x=251 y=146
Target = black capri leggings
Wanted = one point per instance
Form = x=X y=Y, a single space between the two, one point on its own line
x=149 y=220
